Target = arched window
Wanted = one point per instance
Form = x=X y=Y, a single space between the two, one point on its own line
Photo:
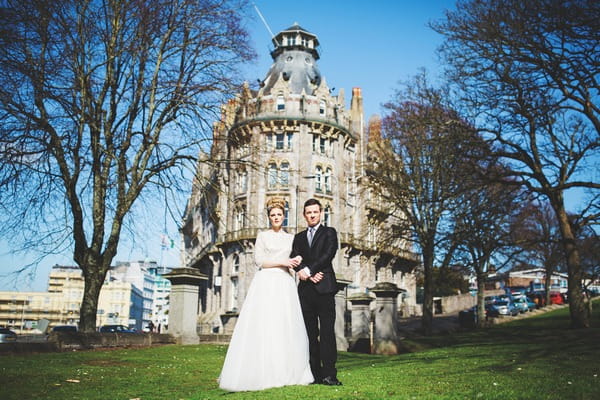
x=318 y=179
x=286 y=214
x=280 y=102
x=242 y=181
x=328 y=180
x=284 y=174
x=272 y=176
x=234 y=293
x=241 y=217
x=236 y=264
x=327 y=215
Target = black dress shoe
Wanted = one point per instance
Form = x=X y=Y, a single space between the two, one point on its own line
x=331 y=381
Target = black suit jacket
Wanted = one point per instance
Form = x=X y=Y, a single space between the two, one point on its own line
x=318 y=257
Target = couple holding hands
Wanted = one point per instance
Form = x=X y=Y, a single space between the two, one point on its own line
x=285 y=335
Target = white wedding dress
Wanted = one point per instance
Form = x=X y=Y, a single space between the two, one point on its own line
x=269 y=345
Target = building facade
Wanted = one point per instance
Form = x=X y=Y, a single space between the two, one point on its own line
x=141 y=275
x=133 y=294
x=293 y=138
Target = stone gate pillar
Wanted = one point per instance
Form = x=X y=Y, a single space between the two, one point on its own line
x=183 y=304
x=386 y=339
x=340 y=315
x=360 y=339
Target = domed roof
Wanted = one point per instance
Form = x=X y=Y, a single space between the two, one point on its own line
x=294 y=60
x=297 y=28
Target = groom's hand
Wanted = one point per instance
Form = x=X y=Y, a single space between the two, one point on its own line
x=303 y=275
x=317 y=277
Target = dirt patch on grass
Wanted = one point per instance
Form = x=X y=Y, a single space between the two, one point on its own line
x=107 y=363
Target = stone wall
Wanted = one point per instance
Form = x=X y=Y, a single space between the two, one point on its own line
x=67 y=341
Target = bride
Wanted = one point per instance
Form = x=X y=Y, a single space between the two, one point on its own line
x=269 y=345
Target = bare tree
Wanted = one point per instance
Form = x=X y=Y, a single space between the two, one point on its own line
x=535 y=230
x=482 y=217
x=529 y=73
x=416 y=169
x=103 y=102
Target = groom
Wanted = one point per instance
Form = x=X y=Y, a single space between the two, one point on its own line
x=317 y=246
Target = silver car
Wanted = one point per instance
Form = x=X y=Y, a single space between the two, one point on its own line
x=7 y=336
x=506 y=308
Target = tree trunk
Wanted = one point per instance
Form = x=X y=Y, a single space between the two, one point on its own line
x=94 y=276
x=427 y=318
x=577 y=307
x=481 y=318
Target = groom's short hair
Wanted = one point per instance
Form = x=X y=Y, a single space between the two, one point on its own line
x=312 y=202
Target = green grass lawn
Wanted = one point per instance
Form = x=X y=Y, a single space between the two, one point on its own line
x=534 y=358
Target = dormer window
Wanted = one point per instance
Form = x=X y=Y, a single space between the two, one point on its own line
x=322 y=107
x=280 y=102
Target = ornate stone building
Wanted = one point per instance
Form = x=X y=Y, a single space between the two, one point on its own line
x=291 y=138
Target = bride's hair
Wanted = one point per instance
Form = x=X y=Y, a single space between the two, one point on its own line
x=275 y=202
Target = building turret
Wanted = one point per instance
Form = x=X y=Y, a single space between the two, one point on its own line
x=295 y=60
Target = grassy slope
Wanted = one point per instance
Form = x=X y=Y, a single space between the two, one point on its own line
x=534 y=358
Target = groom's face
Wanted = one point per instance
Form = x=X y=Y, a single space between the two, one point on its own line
x=312 y=214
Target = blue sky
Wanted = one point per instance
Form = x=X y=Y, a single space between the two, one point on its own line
x=368 y=44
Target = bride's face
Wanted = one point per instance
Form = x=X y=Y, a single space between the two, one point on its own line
x=276 y=218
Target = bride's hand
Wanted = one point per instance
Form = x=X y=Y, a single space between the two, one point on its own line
x=294 y=262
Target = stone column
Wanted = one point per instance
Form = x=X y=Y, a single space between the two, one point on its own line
x=183 y=307
x=340 y=314
x=360 y=339
x=386 y=339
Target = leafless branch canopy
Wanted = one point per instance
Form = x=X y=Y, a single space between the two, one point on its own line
x=101 y=101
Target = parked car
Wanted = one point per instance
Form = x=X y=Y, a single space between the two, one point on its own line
x=521 y=304
x=539 y=298
x=556 y=298
x=530 y=303
x=7 y=336
x=64 y=328
x=504 y=297
x=490 y=299
x=506 y=308
x=116 y=329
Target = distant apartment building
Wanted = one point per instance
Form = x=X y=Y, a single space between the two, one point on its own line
x=133 y=294
x=138 y=274
x=20 y=311
x=162 y=291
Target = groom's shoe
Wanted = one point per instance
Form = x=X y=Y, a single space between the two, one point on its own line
x=331 y=381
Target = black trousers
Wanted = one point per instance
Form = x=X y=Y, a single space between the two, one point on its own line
x=318 y=311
